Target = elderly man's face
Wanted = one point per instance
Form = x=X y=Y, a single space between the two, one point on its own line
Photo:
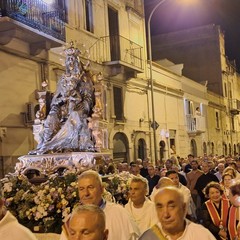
x=220 y=167
x=90 y=190
x=170 y=210
x=86 y=226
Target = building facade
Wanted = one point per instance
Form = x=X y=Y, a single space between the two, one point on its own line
x=111 y=36
x=202 y=51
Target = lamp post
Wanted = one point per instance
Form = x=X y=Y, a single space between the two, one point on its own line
x=151 y=78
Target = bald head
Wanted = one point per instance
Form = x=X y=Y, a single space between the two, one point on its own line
x=170 y=190
x=80 y=226
x=165 y=182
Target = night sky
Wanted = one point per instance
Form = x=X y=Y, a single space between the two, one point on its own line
x=175 y=15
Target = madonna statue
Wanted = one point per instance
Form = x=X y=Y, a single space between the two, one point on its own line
x=65 y=128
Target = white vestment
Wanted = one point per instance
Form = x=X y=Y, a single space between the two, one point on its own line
x=145 y=217
x=192 y=231
x=11 y=229
x=154 y=192
x=188 y=200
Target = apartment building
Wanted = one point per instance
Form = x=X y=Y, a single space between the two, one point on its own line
x=111 y=36
x=202 y=51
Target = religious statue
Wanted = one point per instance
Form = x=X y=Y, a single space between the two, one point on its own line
x=65 y=129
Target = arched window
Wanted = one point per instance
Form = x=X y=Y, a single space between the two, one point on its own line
x=204 y=147
x=193 y=147
x=162 y=146
x=120 y=147
x=142 y=148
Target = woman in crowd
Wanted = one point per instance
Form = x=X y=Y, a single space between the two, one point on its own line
x=215 y=211
x=227 y=179
x=230 y=170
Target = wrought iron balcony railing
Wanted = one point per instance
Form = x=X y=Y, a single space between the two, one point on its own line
x=195 y=124
x=36 y=14
x=113 y=50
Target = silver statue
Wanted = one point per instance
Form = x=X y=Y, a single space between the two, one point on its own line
x=66 y=126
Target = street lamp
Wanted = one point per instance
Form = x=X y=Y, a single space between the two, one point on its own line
x=154 y=123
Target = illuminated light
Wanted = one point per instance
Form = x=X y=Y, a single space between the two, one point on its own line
x=49 y=1
x=189 y=1
x=185 y=4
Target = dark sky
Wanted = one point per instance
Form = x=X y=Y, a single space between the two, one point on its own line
x=175 y=15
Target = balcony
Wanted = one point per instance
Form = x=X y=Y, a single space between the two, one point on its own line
x=234 y=106
x=195 y=124
x=32 y=22
x=117 y=52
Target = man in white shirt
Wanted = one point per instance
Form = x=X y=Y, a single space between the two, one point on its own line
x=10 y=228
x=118 y=222
x=172 y=225
x=139 y=207
x=219 y=173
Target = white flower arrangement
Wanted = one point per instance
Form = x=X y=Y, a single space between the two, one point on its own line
x=45 y=206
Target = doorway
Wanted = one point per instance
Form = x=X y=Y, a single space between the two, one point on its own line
x=120 y=147
x=114 y=34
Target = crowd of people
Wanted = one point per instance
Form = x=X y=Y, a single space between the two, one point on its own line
x=186 y=199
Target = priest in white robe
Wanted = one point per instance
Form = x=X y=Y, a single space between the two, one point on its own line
x=118 y=222
x=141 y=209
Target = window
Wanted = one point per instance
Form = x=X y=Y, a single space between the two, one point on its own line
x=141 y=148
x=233 y=124
x=63 y=10
x=88 y=16
x=118 y=103
x=188 y=106
x=217 y=117
x=225 y=90
x=230 y=90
